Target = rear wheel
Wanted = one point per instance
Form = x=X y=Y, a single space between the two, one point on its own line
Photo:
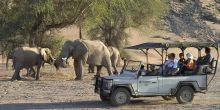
x=168 y=97
x=120 y=96
x=185 y=95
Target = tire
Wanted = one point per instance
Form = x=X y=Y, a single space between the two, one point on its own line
x=104 y=98
x=168 y=97
x=120 y=96
x=185 y=95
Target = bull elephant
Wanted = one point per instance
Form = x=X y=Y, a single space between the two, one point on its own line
x=27 y=57
x=85 y=51
x=115 y=59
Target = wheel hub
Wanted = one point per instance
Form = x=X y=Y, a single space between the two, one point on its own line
x=121 y=97
x=186 y=95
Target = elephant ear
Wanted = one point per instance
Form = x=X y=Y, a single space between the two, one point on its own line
x=80 y=51
x=43 y=53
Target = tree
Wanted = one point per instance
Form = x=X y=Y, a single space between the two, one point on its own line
x=32 y=18
x=119 y=17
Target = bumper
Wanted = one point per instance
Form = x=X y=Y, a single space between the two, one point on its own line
x=103 y=92
x=98 y=87
x=98 y=91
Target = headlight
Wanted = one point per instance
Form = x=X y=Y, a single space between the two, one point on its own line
x=107 y=84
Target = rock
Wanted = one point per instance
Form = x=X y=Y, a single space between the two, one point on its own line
x=190 y=18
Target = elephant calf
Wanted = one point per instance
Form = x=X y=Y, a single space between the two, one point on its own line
x=115 y=59
x=27 y=57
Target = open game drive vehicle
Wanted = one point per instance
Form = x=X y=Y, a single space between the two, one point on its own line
x=119 y=89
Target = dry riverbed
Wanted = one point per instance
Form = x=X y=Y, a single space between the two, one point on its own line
x=57 y=90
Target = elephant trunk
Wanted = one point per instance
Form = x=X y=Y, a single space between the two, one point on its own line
x=59 y=62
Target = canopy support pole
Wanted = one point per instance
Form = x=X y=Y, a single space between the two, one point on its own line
x=162 y=62
x=216 y=66
x=159 y=52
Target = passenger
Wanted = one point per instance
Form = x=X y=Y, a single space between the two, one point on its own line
x=189 y=63
x=152 y=71
x=206 y=60
x=181 y=60
x=142 y=70
x=170 y=65
x=204 y=63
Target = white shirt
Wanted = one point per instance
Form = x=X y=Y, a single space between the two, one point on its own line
x=171 y=63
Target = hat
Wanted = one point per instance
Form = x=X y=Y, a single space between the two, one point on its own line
x=189 y=56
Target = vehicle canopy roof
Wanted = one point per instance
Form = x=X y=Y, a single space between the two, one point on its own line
x=151 y=45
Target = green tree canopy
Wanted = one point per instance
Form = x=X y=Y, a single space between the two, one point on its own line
x=107 y=18
x=118 y=17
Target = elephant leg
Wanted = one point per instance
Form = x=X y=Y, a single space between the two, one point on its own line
x=28 y=72
x=78 y=66
x=75 y=64
x=16 y=75
x=109 y=69
x=91 y=68
x=7 y=63
x=99 y=68
x=32 y=72
x=115 y=70
x=38 y=70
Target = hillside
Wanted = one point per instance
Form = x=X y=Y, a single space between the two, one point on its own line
x=191 y=18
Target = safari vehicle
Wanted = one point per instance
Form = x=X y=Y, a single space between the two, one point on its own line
x=130 y=83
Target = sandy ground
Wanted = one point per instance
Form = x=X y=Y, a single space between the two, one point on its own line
x=57 y=90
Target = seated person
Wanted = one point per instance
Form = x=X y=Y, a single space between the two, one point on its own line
x=142 y=70
x=189 y=64
x=170 y=65
x=152 y=71
x=206 y=60
x=204 y=63
x=181 y=60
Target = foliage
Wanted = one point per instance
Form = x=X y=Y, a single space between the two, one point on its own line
x=52 y=42
x=104 y=19
x=31 y=18
x=118 y=17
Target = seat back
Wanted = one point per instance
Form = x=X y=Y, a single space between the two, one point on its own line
x=213 y=65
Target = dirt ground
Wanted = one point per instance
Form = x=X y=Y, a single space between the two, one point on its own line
x=57 y=90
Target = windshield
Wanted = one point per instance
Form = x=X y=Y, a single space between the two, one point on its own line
x=133 y=66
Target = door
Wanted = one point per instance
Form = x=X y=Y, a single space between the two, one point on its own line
x=148 y=85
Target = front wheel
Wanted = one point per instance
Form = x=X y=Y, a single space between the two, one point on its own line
x=185 y=95
x=120 y=96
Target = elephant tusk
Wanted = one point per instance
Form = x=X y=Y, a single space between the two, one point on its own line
x=64 y=58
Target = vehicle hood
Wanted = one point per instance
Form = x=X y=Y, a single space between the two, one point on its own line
x=125 y=76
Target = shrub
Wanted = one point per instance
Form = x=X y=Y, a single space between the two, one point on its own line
x=52 y=42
